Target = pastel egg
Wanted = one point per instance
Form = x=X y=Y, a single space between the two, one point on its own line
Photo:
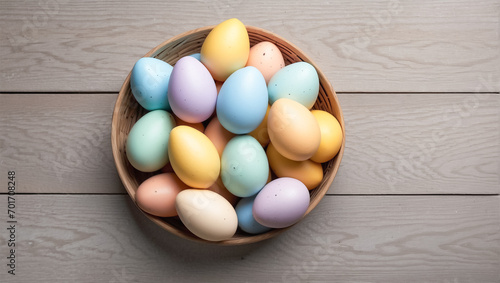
x=193 y=156
x=281 y=203
x=191 y=92
x=218 y=134
x=331 y=136
x=307 y=171
x=157 y=194
x=246 y=221
x=219 y=188
x=260 y=133
x=149 y=83
x=293 y=130
x=225 y=49
x=147 y=141
x=298 y=81
x=242 y=101
x=267 y=58
x=244 y=166
x=206 y=214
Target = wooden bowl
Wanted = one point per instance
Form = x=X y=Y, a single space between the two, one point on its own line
x=127 y=111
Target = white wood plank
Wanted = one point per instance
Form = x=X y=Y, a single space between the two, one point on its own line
x=346 y=239
x=58 y=142
x=420 y=143
x=367 y=46
x=396 y=143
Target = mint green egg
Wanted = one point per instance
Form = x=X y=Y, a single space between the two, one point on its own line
x=147 y=142
x=244 y=166
x=298 y=81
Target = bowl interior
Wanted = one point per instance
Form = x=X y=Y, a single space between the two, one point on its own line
x=127 y=111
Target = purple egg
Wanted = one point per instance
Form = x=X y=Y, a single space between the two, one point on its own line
x=192 y=94
x=281 y=203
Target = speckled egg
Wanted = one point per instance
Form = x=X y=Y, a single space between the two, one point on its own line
x=281 y=203
x=157 y=194
x=244 y=166
x=267 y=58
x=149 y=81
x=298 y=81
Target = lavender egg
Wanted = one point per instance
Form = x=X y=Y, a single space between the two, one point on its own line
x=281 y=203
x=191 y=91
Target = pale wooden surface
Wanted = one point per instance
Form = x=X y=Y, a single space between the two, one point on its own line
x=418 y=46
x=416 y=196
x=396 y=143
x=346 y=239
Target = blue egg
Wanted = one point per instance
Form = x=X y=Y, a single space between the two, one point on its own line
x=196 y=56
x=244 y=166
x=298 y=81
x=149 y=83
x=242 y=101
x=246 y=221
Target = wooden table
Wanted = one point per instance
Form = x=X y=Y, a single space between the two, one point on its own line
x=416 y=197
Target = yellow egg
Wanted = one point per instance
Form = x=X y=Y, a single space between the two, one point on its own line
x=194 y=157
x=225 y=49
x=331 y=136
x=260 y=133
x=308 y=172
x=293 y=130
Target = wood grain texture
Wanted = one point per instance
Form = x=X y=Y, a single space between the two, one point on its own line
x=367 y=46
x=58 y=143
x=420 y=143
x=396 y=143
x=346 y=239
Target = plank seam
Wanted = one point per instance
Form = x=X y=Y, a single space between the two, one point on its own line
x=339 y=92
x=341 y=195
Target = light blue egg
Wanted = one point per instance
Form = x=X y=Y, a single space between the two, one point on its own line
x=196 y=56
x=246 y=221
x=149 y=83
x=298 y=81
x=242 y=101
x=147 y=141
x=244 y=166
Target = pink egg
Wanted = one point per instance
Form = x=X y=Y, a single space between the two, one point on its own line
x=281 y=203
x=267 y=58
x=218 y=135
x=192 y=93
x=157 y=194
